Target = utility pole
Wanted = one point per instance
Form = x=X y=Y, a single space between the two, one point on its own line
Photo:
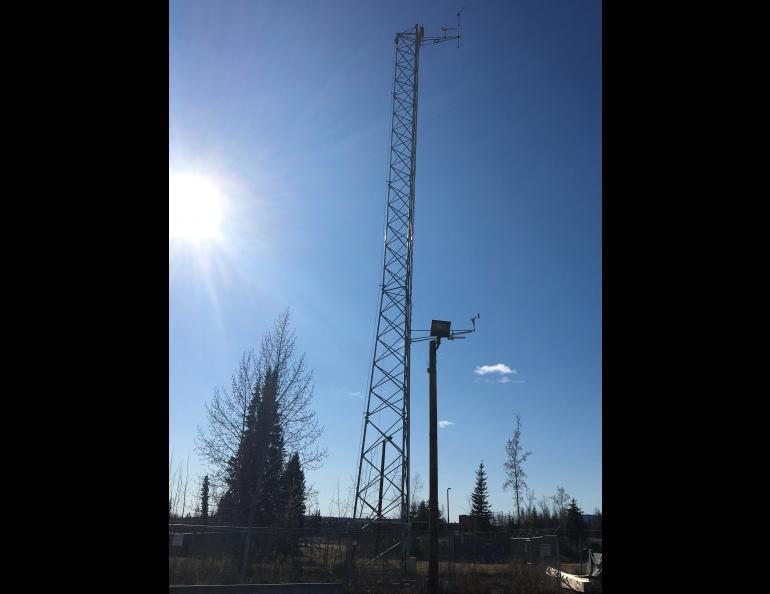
x=450 y=538
x=433 y=498
x=438 y=329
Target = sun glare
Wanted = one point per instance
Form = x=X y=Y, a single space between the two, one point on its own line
x=195 y=208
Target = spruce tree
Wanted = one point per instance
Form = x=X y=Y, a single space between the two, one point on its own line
x=480 y=511
x=423 y=512
x=574 y=520
x=241 y=476
x=205 y=498
x=294 y=487
x=271 y=494
x=254 y=495
x=221 y=436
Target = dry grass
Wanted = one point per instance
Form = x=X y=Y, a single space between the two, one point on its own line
x=473 y=578
x=327 y=564
x=192 y=571
x=503 y=578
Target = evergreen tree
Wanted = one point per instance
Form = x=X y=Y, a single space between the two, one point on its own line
x=255 y=493
x=574 y=521
x=294 y=487
x=220 y=439
x=205 y=498
x=480 y=511
x=423 y=512
x=270 y=498
x=240 y=475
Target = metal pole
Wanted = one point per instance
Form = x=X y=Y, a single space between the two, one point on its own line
x=580 y=553
x=449 y=537
x=433 y=499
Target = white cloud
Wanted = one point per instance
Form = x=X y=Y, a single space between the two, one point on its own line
x=499 y=368
x=445 y=424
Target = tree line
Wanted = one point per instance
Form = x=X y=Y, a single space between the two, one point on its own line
x=261 y=435
x=559 y=510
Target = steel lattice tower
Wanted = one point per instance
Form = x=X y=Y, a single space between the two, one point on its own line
x=382 y=489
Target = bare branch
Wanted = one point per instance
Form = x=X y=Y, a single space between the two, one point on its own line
x=218 y=441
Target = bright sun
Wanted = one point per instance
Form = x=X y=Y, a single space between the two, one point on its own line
x=194 y=208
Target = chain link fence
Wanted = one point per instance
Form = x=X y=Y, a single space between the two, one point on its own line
x=370 y=560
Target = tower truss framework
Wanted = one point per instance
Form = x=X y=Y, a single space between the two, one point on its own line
x=382 y=490
x=381 y=503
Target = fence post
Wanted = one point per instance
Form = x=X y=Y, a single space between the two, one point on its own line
x=451 y=559
x=349 y=554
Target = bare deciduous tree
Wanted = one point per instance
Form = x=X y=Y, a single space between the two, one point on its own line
x=514 y=466
x=295 y=393
x=339 y=507
x=530 y=499
x=560 y=500
x=311 y=497
x=226 y=415
x=219 y=439
x=416 y=488
x=177 y=488
x=545 y=507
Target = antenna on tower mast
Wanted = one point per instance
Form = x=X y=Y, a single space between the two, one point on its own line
x=444 y=30
x=458 y=26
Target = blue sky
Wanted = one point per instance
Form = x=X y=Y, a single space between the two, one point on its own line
x=285 y=106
